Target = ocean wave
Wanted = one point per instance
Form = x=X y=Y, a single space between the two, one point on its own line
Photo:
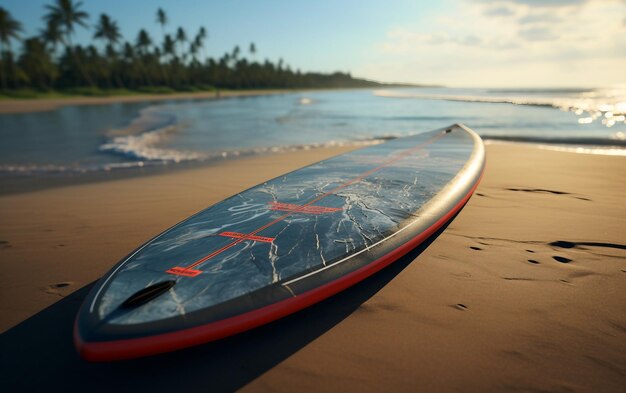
x=579 y=141
x=548 y=90
x=143 y=138
x=596 y=150
x=160 y=157
x=608 y=108
x=603 y=150
x=151 y=118
x=41 y=169
x=145 y=146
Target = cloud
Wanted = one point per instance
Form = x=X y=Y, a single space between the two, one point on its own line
x=499 y=11
x=403 y=40
x=539 y=3
x=550 y=3
x=533 y=18
x=476 y=43
x=471 y=40
x=537 y=34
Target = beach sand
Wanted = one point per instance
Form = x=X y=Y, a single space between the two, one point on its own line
x=525 y=291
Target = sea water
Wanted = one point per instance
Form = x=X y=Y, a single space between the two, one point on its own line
x=117 y=137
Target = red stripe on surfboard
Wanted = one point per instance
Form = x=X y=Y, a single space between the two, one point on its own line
x=344 y=185
x=183 y=271
x=244 y=236
x=167 y=342
x=289 y=207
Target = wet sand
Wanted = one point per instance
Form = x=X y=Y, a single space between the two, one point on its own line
x=525 y=291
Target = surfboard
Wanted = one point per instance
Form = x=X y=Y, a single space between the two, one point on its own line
x=280 y=246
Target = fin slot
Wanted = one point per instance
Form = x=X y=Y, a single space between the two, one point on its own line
x=149 y=293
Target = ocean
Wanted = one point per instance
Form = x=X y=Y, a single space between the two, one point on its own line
x=124 y=137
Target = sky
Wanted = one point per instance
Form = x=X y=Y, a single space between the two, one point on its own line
x=463 y=43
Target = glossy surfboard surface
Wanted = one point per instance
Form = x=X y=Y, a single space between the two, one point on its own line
x=280 y=246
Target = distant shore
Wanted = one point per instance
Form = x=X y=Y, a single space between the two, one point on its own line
x=26 y=105
x=9 y=105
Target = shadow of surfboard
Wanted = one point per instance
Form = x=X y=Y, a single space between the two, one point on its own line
x=39 y=355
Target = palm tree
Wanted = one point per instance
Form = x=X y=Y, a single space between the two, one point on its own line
x=169 y=46
x=37 y=64
x=113 y=60
x=143 y=42
x=169 y=52
x=9 y=28
x=107 y=30
x=162 y=20
x=199 y=41
x=128 y=52
x=235 y=55
x=181 y=38
x=193 y=50
x=66 y=15
x=52 y=35
x=252 y=49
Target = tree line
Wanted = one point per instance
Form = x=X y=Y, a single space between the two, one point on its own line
x=176 y=60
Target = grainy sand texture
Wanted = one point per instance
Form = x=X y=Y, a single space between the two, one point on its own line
x=525 y=291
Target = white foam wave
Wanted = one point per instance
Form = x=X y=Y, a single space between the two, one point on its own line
x=595 y=150
x=600 y=150
x=608 y=108
x=145 y=146
x=150 y=118
x=138 y=147
x=34 y=169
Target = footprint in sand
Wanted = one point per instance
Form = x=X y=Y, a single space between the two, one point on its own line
x=475 y=248
x=533 y=261
x=561 y=259
x=460 y=306
x=567 y=244
x=59 y=289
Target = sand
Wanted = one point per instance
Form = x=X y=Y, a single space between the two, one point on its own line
x=525 y=291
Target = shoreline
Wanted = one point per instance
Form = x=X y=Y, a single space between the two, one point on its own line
x=29 y=105
x=523 y=291
x=20 y=183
